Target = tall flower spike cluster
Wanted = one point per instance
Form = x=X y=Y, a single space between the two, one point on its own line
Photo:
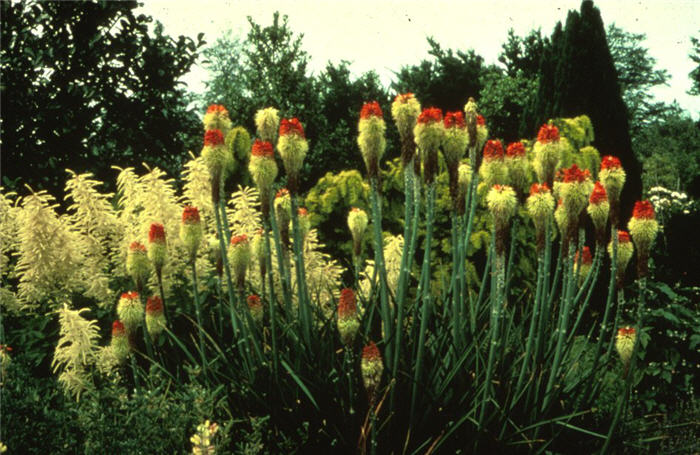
x=357 y=223
x=429 y=134
x=267 y=121
x=372 y=368
x=625 y=250
x=155 y=318
x=547 y=152
x=612 y=176
x=518 y=167
x=138 y=265
x=598 y=209
x=643 y=228
x=493 y=170
x=348 y=317
x=191 y=231
x=453 y=148
x=405 y=111
x=292 y=146
x=371 y=139
x=263 y=170
x=502 y=204
x=540 y=206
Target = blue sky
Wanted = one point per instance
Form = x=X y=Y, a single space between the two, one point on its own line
x=383 y=35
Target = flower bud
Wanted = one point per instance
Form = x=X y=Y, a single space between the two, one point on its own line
x=547 y=152
x=598 y=209
x=217 y=118
x=429 y=133
x=120 y=341
x=155 y=318
x=624 y=344
x=292 y=146
x=371 y=139
x=256 y=309
x=372 y=368
x=493 y=170
x=267 y=121
x=239 y=257
x=137 y=264
x=157 y=249
x=348 y=318
x=191 y=230
x=130 y=311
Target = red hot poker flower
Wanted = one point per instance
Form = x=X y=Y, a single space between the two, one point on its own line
x=371 y=109
x=239 y=239
x=575 y=174
x=480 y=120
x=643 y=210
x=217 y=108
x=599 y=194
x=548 y=133
x=253 y=301
x=157 y=233
x=190 y=215
x=137 y=246
x=493 y=150
x=346 y=304
x=213 y=137
x=623 y=236
x=586 y=259
x=262 y=149
x=626 y=331
x=371 y=352
x=291 y=126
x=403 y=97
x=430 y=115
x=455 y=120
x=118 y=329
x=302 y=211
x=131 y=295
x=538 y=188
x=515 y=149
x=610 y=162
x=154 y=305
x=282 y=193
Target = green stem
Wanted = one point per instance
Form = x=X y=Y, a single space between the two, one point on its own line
x=198 y=313
x=272 y=301
x=283 y=270
x=304 y=304
x=385 y=311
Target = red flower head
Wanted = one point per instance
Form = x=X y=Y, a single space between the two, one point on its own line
x=643 y=210
x=302 y=211
x=586 y=259
x=610 y=162
x=154 y=305
x=599 y=194
x=346 y=304
x=157 y=233
x=239 y=239
x=575 y=174
x=430 y=115
x=625 y=331
x=213 y=137
x=548 y=133
x=131 y=295
x=254 y=301
x=371 y=352
x=6 y=348
x=190 y=215
x=515 y=149
x=480 y=120
x=218 y=108
x=538 y=188
x=371 y=109
x=118 y=329
x=493 y=150
x=282 y=193
x=455 y=120
x=291 y=126
x=623 y=236
x=137 y=246
x=262 y=149
x=403 y=97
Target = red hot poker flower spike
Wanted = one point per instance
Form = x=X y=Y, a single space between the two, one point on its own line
x=626 y=331
x=137 y=246
x=190 y=215
x=118 y=329
x=623 y=236
x=253 y=301
x=302 y=211
x=575 y=174
x=586 y=259
x=263 y=149
x=291 y=126
x=217 y=108
x=548 y=133
x=371 y=352
x=455 y=120
x=154 y=305
x=599 y=194
x=156 y=233
x=493 y=149
x=282 y=193
x=371 y=109
x=643 y=210
x=346 y=304
x=237 y=239
x=515 y=149
x=537 y=188
x=430 y=115
x=213 y=137
x=480 y=120
x=610 y=162
x=131 y=295
x=403 y=97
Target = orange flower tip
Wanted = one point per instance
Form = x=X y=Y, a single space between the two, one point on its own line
x=515 y=149
x=455 y=120
x=156 y=233
x=154 y=305
x=575 y=175
x=355 y=209
x=262 y=149
x=643 y=210
x=371 y=109
x=403 y=97
x=190 y=215
x=610 y=162
x=213 y=137
x=254 y=301
x=586 y=259
x=599 y=194
x=480 y=120
x=493 y=150
x=430 y=115
x=137 y=246
x=118 y=328
x=626 y=331
x=218 y=108
x=548 y=133
x=131 y=295
x=6 y=348
x=282 y=193
x=623 y=236
x=347 y=305
x=291 y=126
x=538 y=188
x=371 y=352
x=239 y=239
x=302 y=211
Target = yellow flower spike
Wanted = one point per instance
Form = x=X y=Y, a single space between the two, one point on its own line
x=237 y=147
x=267 y=121
x=405 y=111
x=357 y=223
x=130 y=311
x=643 y=228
